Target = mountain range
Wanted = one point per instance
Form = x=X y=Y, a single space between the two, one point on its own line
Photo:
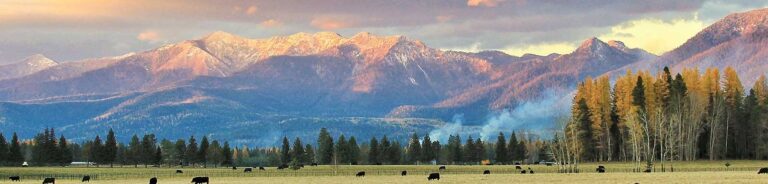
x=254 y=91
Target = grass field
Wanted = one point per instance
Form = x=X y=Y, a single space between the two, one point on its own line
x=685 y=172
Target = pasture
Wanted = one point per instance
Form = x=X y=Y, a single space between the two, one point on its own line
x=685 y=172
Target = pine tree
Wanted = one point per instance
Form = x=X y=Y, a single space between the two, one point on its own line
x=454 y=149
x=65 y=152
x=227 y=153
x=386 y=148
x=133 y=155
x=479 y=150
x=110 y=148
x=469 y=150
x=96 y=151
x=14 y=152
x=202 y=153
x=4 y=152
x=513 y=149
x=414 y=149
x=285 y=151
x=427 y=153
x=354 y=150
x=181 y=151
x=298 y=151
x=191 y=152
x=325 y=147
x=395 y=153
x=501 y=149
x=342 y=154
x=374 y=151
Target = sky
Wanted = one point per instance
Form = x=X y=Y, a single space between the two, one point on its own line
x=69 y=30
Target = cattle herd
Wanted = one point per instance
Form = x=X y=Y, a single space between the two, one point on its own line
x=431 y=176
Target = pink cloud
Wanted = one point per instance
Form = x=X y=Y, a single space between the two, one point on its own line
x=271 y=23
x=486 y=3
x=329 y=23
x=149 y=36
x=251 y=10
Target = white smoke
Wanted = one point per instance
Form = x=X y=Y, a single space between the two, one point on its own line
x=536 y=116
x=441 y=134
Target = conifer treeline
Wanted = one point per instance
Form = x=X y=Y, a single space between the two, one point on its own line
x=666 y=117
x=146 y=151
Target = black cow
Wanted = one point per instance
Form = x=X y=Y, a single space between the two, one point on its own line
x=647 y=171
x=763 y=170
x=600 y=169
x=86 y=179
x=523 y=172
x=313 y=164
x=518 y=167
x=378 y=163
x=153 y=180
x=486 y=172
x=301 y=165
x=15 y=178
x=234 y=168
x=360 y=174
x=284 y=166
x=179 y=171
x=442 y=168
x=434 y=176
x=49 y=181
x=530 y=171
x=247 y=170
x=403 y=173
x=200 y=180
x=262 y=169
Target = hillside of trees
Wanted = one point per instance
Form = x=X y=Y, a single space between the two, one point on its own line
x=651 y=119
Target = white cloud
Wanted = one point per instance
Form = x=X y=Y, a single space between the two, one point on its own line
x=541 y=49
x=654 y=35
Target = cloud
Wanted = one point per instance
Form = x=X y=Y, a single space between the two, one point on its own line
x=251 y=10
x=149 y=36
x=326 y=23
x=486 y=3
x=271 y=23
x=654 y=35
x=542 y=49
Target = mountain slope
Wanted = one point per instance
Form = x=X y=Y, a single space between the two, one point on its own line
x=26 y=66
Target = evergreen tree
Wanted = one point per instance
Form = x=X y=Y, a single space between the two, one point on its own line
x=158 y=156
x=121 y=156
x=65 y=152
x=285 y=152
x=414 y=149
x=325 y=147
x=522 y=150
x=181 y=151
x=191 y=152
x=15 y=157
x=479 y=150
x=202 y=153
x=96 y=151
x=374 y=151
x=395 y=153
x=110 y=148
x=501 y=149
x=214 y=154
x=309 y=154
x=354 y=150
x=513 y=149
x=469 y=150
x=584 y=133
x=454 y=149
x=133 y=155
x=298 y=152
x=342 y=154
x=4 y=152
x=385 y=148
x=227 y=153
x=427 y=153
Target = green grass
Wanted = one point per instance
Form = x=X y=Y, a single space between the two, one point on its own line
x=684 y=172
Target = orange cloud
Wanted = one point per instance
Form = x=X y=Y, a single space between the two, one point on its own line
x=251 y=10
x=329 y=23
x=443 y=18
x=149 y=36
x=486 y=3
x=271 y=23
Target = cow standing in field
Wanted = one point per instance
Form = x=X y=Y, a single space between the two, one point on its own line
x=284 y=166
x=247 y=170
x=313 y=164
x=523 y=172
x=518 y=167
x=15 y=178
x=403 y=173
x=49 y=181
x=763 y=170
x=360 y=174
x=200 y=180
x=153 y=180
x=179 y=172
x=600 y=169
x=86 y=179
x=262 y=169
x=530 y=170
x=234 y=168
x=486 y=172
x=442 y=168
x=433 y=176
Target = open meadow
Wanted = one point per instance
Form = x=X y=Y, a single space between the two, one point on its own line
x=684 y=172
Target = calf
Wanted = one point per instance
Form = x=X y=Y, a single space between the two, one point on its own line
x=153 y=180
x=523 y=172
x=518 y=167
x=179 y=172
x=360 y=174
x=247 y=170
x=86 y=179
x=49 y=181
x=763 y=170
x=15 y=178
x=433 y=176
x=262 y=169
x=442 y=168
x=403 y=173
x=200 y=180
x=486 y=172
x=530 y=171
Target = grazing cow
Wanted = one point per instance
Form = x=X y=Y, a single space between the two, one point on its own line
x=86 y=179
x=403 y=173
x=600 y=169
x=262 y=169
x=200 y=180
x=433 y=176
x=49 y=181
x=15 y=178
x=523 y=172
x=313 y=164
x=517 y=163
x=518 y=167
x=153 y=180
x=234 y=168
x=647 y=171
x=486 y=172
x=360 y=174
x=179 y=172
x=284 y=166
x=763 y=170
x=530 y=171
x=247 y=170
x=442 y=168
